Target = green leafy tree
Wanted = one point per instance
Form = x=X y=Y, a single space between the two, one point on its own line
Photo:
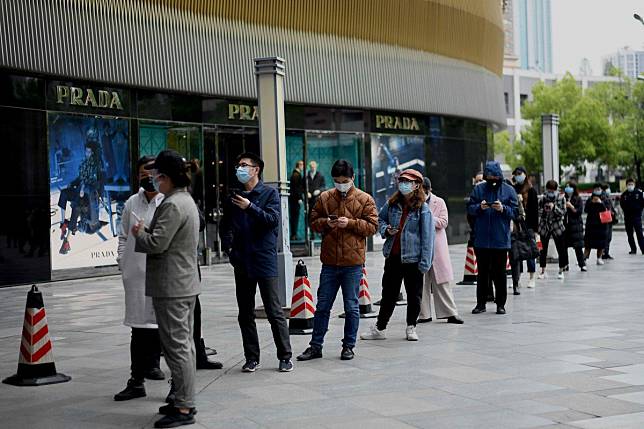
x=503 y=146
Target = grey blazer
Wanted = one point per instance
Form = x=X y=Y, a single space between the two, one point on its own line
x=170 y=242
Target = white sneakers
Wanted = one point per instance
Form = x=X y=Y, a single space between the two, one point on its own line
x=560 y=276
x=531 y=282
x=374 y=334
x=600 y=261
x=584 y=269
x=412 y=335
x=542 y=275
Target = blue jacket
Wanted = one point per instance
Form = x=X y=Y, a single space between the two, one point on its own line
x=492 y=227
x=417 y=236
x=251 y=235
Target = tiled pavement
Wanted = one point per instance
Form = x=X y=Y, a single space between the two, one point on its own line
x=567 y=355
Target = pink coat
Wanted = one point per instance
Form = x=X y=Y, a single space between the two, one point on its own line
x=442 y=264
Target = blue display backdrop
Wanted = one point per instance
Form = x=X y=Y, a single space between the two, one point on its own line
x=89 y=171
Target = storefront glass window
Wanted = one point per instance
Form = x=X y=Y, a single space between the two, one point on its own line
x=297 y=197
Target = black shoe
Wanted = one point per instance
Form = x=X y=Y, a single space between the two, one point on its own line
x=155 y=374
x=205 y=363
x=633 y=252
x=424 y=320
x=134 y=389
x=166 y=410
x=310 y=353
x=478 y=310
x=174 y=420
x=171 y=394
x=210 y=351
x=347 y=353
x=500 y=310
x=516 y=292
x=250 y=366
x=607 y=256
x=455 y=319
x=286 y=365
x=490 y=298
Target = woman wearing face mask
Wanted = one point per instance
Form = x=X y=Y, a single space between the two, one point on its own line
x=407 y=224
x=529 y=205
x=596 y=231
x=552 y=210
x=574 y=224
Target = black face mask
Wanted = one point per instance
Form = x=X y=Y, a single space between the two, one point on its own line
x=147 y=185
x=494 y=182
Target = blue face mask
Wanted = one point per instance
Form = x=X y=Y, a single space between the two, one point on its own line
x=243 y=175
x=568 y=190
x=597 y=192
x=405 y=187
x=156 y=184
x=519 y=179
x=551 y=194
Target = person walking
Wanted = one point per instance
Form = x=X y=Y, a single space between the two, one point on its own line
x=552 y=211
x=407 y=225
x=145 y=345
x=608 y=202
x=574 y=225
x=529 y=205
x=249 y=230
x=345 y=216
x=437 y=290
x=632 y=203
x=170 y=242
x=494 y=205
x=596 y=231
x=295 y=198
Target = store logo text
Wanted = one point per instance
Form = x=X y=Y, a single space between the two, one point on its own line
x=397 y=123
x=77 y=96
x=242 y=112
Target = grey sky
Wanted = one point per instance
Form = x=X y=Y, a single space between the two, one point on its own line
x=591 y=29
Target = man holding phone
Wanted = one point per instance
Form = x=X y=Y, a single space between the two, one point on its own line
x=249 y=231
x=345 y=216
x=493 y=204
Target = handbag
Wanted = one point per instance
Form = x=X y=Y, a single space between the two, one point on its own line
x=606 y=216
x=524 y=244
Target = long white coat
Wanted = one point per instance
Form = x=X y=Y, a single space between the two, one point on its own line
x=139 y=312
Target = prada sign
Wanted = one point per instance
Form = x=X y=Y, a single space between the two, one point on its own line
x=88 y=97
x=242 y=112
x=390 y=122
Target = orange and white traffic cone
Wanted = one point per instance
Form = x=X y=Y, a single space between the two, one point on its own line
x=36 y=360
x=302 y=308
x=364 y=298
x=471 y=268
x=508 y=267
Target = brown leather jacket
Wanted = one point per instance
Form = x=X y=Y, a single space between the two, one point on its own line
x=345 y=246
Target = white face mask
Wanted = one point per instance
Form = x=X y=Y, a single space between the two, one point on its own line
x=630 y=188
x=343 y=187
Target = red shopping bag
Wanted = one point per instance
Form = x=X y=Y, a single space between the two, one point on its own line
x=606 y=217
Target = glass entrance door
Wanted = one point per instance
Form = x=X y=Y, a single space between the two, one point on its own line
x=222 y=145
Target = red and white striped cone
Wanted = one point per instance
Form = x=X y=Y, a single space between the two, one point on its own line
x=471 y=268
x=364 y=298
x=36 y=360
x=302 y=308
x=508 y=267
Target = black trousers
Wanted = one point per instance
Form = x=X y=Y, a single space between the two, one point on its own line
x=294 y=216
x=395 y=273
x=200 y=345
x=491 y=265
x=609 y=238
x=634 y=224
x=145 y=352
x=245 y=289
x=579 y=254
x=562 y=250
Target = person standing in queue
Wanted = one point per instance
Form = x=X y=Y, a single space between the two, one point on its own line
x=145 y=345
x=437 y=290
x=249 y=230
x=632 y=203
x=345 y=216
x=574 y=235
x=172 y=280
x=608 y=202
x=528 y=199
x=552 y=211
x=596 y=231
x=494 y=205
x=407 y=224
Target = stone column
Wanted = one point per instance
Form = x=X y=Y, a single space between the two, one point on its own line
x=550 y=147
x=270 y=105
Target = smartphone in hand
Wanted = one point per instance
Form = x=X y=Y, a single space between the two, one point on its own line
x=333 y=218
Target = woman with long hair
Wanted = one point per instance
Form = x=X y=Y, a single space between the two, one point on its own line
x=574 y=223
x=596 y=231
x=407 y=224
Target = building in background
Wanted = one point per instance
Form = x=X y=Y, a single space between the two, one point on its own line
x=88 y=87
x=528 y=31
x=629 y=61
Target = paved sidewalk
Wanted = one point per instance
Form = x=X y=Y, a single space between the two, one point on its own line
x=569 y=354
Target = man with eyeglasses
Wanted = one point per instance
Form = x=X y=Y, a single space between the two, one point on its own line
x=249 y=230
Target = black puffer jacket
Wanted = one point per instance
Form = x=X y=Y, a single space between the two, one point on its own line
x=574 y=223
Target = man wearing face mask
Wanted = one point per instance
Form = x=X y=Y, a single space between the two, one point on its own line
x=249 y=232
x=632 y=203
x=345 y=216
x=145 y=345
x=493 y=204
x=552 y=210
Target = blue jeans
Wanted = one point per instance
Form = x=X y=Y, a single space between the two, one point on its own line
x=332 y=278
